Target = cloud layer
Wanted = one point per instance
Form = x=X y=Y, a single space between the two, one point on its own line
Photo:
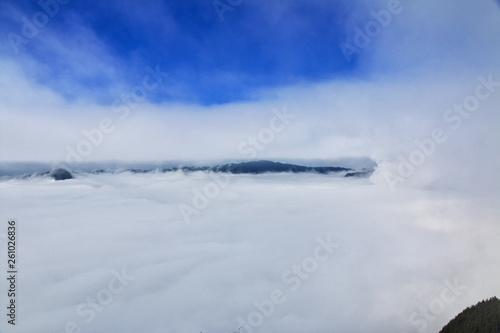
x=421 y=61
x=420 y=95
x=394 y=253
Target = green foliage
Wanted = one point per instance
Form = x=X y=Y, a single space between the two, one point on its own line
x=484 y=317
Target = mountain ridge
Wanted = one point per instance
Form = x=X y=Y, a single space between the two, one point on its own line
x=248 y=167
x=483 y=317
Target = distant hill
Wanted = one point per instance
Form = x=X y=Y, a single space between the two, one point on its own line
x=60 y=174
x=348 y=167
x=259 y=167
x=251 y=167
x=484 y=317
x=359 y=174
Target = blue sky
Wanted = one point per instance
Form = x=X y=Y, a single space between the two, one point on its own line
x=90 y=48
x=257 y=45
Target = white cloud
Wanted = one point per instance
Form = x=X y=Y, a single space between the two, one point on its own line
x=381 y=120
x=395 y=252
x=396 y=248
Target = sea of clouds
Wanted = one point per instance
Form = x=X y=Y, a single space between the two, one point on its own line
x=403 y=251
x=273 y=252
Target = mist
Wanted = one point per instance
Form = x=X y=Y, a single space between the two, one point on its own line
x=369 y=259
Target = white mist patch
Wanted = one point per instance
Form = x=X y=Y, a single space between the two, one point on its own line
x=111 y=252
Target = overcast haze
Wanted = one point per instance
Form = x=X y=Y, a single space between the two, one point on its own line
x=413 y=86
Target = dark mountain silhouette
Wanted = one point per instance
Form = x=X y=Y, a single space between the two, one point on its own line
x=252 y=167
x=359 y=174
x=484 y=317
x=60 y=174
x=259 y=167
